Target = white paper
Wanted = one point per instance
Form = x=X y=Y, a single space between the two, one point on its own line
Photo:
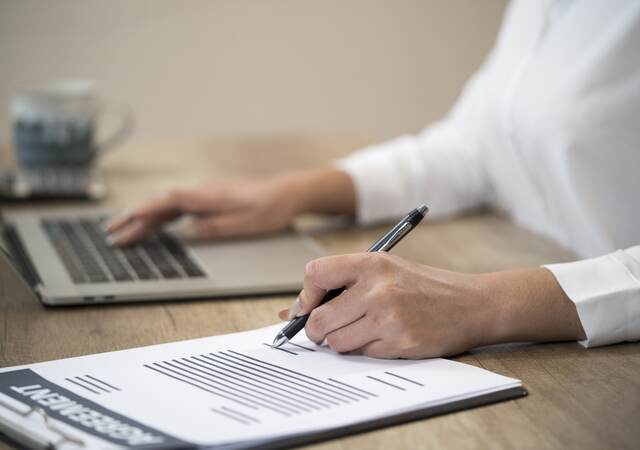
x=233 y=388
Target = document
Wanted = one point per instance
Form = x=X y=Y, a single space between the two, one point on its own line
x=229 y=391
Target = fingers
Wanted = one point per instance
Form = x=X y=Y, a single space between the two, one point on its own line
x=222 y=226
x=178 y=201
x=133 y=226
x=134 y=231
x=149 y=216
x=324 y=274
x=156 y=209
x=353 y=337
x=283 y=314
x=347 y=308
x=376 y=349
x=118 y=221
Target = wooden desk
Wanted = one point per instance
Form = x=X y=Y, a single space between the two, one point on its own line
x=586 y=399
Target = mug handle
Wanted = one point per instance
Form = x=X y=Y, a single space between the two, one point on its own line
x=125 y=115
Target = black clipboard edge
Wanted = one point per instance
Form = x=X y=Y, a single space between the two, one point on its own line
x=376 y=424
x=362 y=427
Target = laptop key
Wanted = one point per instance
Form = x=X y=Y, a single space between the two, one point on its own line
x=98 y=277
x=89 y=264
x=69 y=259
x=190 y=268
x=107 y=253
x=142 y=270
x=88 y=258
x=157 y=255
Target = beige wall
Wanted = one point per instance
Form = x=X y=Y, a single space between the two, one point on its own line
x=195 y=67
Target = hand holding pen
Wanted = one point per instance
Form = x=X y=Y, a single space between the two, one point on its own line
x=385 y=243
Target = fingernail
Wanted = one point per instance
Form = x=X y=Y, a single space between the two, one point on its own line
x=187 y=231
x=295 y=309
x=112 y=240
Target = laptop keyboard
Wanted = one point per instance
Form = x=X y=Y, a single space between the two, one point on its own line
x=89 y=258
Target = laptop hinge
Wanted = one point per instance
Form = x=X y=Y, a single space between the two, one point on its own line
x=20 y=257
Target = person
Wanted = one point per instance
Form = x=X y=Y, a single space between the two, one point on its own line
x=546 y=131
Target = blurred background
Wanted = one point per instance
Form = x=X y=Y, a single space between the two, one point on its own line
x=193 y=68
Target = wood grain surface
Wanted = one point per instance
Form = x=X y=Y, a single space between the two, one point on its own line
x=578 y=398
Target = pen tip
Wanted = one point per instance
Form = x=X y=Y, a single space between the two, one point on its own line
x=423 y=209
x=279 y=341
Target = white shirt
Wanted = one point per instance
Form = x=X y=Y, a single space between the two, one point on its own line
x=548 y=130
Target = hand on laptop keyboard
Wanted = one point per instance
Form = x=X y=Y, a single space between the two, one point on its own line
x=241 y=208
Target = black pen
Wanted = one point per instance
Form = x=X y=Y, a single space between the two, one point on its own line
x=384 y=244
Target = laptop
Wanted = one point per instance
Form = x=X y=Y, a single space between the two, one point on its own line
x=65 y=258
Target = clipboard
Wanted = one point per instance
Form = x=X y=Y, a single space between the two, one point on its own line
x=17 y=434
x=184 y=395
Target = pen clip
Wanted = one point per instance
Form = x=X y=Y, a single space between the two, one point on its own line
x=29 y=411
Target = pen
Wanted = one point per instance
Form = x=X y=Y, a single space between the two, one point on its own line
x=384 y=244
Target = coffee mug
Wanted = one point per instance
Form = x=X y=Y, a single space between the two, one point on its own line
x=57 y=125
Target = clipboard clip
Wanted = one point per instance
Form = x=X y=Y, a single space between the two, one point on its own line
x=29 y=411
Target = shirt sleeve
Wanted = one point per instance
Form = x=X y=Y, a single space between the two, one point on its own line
x=442 y=166
x=606 y=292
x=436 y=168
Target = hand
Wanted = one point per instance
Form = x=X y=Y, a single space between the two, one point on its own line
x=240 y=208
x=393 y=308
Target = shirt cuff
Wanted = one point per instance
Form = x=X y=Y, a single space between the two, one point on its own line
x=381 y=193
x=606 y=292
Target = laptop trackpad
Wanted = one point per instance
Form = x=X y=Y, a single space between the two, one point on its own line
x=275 y=260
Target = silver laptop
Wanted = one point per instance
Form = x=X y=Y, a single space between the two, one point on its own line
x=66 y=260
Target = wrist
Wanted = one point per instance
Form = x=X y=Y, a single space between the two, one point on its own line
x=528 y=305
x=492 y=320
x=322 y=191
x=500 y=317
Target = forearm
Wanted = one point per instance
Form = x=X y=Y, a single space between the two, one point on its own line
x=438 y=167
x=322 y=191
x=529 y=305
